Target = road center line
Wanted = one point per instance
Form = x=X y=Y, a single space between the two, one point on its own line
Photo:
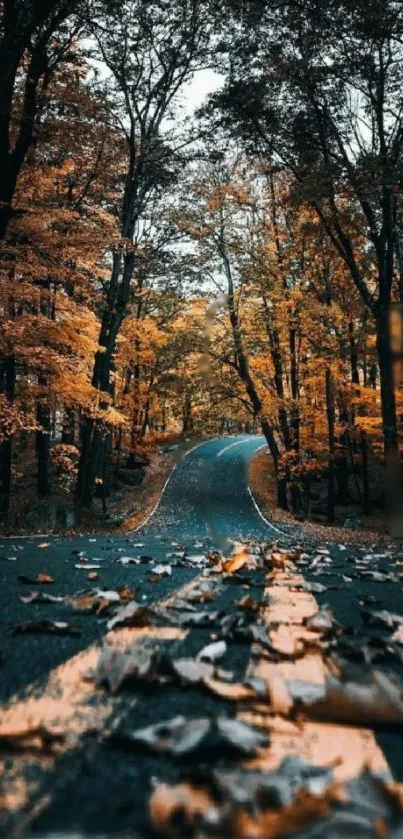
x=232 y=445
x=348 y=749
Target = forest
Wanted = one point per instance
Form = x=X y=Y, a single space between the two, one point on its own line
x=175 y=267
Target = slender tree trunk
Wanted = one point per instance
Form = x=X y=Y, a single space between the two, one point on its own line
x=366 y=506
x=7 y=389
x=69 y=427
x=187 y=423
x=246 y=378
x=330 y=412
x=355 y=377
x=146 y=419
x=388 y=397
x=43 y=442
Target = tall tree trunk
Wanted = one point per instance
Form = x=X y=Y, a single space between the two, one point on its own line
x=355 y=377
x=187 y=422
x=242 y=367
x=7 y=389
x=43 y=442
x=331 y=442
x=388 y=397
x=366 y=506
x=69 y=427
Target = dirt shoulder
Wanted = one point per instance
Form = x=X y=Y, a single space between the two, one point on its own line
x=263 y=487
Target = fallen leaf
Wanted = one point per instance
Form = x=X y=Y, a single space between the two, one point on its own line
x=162 y=570
x=45 y=627
x=88 y=567
x=212 y=652
x=41 y=578
x=239 y=559
x=134 y=614
x=180 y=736
x=377 y=698
x=115 y=667
x=201 y=619
x=167 y=803
x=323 y=621
x=129 y=560
x=246 y=602
x=89 y=603
x=41 y=597
x=382 y=618
x=314 y=588
x=125 y=593
x=214 y=557
x=233 y=691
x=191 y=671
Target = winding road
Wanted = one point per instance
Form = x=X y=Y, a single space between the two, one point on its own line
x=206 y=499
x=205 y=504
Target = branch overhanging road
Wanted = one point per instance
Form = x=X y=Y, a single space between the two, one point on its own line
x=205 y=502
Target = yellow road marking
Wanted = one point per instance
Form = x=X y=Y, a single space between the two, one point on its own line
x=349 y=749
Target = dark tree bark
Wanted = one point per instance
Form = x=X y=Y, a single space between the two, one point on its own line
x=28 y=27
x=242 y=367
x=43 y=442
x=7 y=389
x=366 y=505
x=330 y=412
x=165 y=56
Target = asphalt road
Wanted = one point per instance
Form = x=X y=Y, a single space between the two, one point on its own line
x=206 y=504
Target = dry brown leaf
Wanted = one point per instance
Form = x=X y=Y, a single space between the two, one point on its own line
x=44 y=578
x=125 y=593
x=131 y=615
x=214 y=557
x=375 y=699
x=167 y=802
x=234 y=691
x=89 y=603
x=239 y=559
x=304 y=811
x=246 y=602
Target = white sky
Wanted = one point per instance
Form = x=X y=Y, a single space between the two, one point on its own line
x=195 y=92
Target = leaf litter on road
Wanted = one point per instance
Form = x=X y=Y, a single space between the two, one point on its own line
x=234 y=806
x=45 y=627
x=183 y=736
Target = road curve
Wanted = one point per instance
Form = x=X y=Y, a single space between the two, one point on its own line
x=207 y=496
x=206 y=504
x=206 y=500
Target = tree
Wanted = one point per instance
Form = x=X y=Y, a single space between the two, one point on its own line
x=33 y=40
x=151 y=50
x=48 y=261
x=318 y=89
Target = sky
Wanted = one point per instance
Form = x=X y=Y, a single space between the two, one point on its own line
x=196 y=91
